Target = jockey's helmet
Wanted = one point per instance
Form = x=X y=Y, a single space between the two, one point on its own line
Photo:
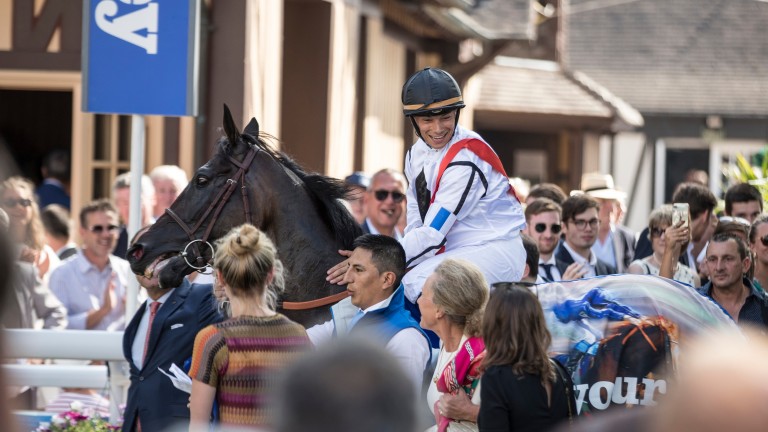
x=431 y=91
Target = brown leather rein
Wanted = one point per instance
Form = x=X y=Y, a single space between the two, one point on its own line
x=216 y=207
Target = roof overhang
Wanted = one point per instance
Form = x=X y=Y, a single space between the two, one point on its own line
x=538 y=95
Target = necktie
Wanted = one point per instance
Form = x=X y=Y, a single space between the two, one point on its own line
x=547 y=271
x=356 y=318
x=152 y=312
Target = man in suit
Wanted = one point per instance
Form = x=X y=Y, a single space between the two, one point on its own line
x=580 y=225
x=543 y=226
x=161 y=334
x=383 y=201
x=615 y=243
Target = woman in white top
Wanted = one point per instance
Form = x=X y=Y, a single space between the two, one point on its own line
x=452 y=304
x=663 y=235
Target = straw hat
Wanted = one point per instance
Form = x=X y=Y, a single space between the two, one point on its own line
x=601 y=186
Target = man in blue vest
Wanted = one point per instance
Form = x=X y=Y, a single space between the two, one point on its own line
x=375 y=307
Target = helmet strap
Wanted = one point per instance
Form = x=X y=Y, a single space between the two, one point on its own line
x=418 y=131
x=416 y=128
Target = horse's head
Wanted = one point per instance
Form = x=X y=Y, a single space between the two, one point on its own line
x=179 y=241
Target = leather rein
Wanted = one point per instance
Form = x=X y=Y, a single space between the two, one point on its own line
x=216 y=206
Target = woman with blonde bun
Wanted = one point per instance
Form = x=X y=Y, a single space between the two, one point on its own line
x=236 y=362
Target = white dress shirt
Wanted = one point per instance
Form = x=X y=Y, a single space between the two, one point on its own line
x=137 y=349
x=556 y=276
x=80 y=286
x=591 y=263
x=372 y=229
x=606 y=252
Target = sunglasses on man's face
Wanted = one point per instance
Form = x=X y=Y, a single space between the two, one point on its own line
x=541 y=227
x=10 y=203
x=98 y=229
x=382 y=195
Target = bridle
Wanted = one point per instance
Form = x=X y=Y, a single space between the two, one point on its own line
x=200 y=264
x=215 y=207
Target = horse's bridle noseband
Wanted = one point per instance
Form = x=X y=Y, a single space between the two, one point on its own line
x=216 y=206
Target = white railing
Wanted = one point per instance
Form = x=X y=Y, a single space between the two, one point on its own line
x=68 y=344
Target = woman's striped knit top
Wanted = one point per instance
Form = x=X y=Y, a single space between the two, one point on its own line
x=242 y=358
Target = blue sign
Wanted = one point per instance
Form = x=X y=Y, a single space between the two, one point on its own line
x=141 y=56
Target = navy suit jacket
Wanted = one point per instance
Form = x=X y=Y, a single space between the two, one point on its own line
x=563 y=259
x=152 y=396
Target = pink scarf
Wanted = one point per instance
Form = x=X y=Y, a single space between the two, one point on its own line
x=461 y=373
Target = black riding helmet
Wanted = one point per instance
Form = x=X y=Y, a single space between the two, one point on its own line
x=429 y=92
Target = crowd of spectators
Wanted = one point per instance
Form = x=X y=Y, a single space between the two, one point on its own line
x=439 y=284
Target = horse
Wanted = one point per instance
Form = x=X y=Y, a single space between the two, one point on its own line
x=300 y=211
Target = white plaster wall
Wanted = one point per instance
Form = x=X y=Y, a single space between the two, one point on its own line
x=628 y=148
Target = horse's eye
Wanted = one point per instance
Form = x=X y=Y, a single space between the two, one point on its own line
x=201 y=181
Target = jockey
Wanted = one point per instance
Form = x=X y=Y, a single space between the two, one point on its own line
x=460 y=202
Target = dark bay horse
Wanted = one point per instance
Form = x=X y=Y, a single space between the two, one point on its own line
x=246 y=181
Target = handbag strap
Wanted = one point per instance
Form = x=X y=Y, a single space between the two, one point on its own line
x=568 y=384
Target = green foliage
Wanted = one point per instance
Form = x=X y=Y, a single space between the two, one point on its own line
x=745 y=172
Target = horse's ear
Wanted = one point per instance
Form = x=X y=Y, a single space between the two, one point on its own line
x=229 y=127
x=253 y=128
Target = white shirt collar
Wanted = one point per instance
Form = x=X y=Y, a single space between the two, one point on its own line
x=551 y=260
x=580 y=259
x=373 y=229
x=380 y=305
x=162 y=299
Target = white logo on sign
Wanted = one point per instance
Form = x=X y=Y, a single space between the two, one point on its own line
x=125 y=26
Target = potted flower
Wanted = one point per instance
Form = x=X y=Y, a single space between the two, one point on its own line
x=77 y=419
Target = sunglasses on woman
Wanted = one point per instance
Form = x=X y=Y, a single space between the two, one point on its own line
x=541 y=227
x=382 y=195
x=764 y=240
x=10 y=203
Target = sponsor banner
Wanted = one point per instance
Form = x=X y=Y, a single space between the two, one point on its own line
x=620 y=336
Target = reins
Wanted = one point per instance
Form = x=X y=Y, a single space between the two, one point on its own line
x=311 y=304
x=216 y=206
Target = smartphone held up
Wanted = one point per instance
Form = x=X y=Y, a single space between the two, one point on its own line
x=680 y=213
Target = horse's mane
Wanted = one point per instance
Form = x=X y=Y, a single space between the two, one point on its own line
x=326 y=192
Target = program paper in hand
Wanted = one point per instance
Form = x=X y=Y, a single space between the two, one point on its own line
x=180 y=379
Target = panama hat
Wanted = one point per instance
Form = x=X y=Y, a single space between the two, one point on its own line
x=601 y=186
